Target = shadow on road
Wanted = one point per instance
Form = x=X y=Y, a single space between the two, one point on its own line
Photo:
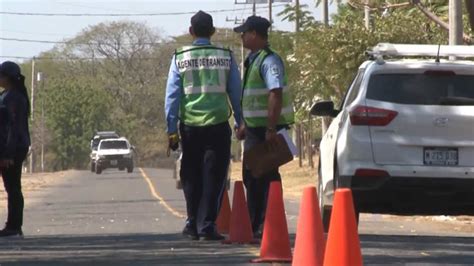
x=134 y=249
x=441 y=250
x=172 y=249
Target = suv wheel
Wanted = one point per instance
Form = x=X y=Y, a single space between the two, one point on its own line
x=98 y=170
x=337 y=184
x=130 y=169
x=325 y=210
x=92 y=167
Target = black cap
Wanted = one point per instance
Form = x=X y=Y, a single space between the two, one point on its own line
x=10 y=69
x=254 y=23
x=201 y=21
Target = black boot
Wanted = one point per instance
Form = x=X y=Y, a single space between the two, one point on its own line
x=6 y=232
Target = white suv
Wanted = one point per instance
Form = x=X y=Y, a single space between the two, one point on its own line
x=403 y=138
x=114 y=153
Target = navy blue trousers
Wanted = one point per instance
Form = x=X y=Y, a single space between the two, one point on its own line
x=204 y=168
x=257 y=187
x=12 y=183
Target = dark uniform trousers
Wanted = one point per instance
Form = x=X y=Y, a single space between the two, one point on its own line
x=204 y=167
x=257 y=188
x=12 y=182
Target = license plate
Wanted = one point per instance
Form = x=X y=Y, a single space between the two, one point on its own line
x=113 y=162
x=441 y=156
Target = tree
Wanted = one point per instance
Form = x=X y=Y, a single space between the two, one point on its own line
x=123 y=60
x=326 y=58
x=470 y=11
x=290 y=13
x=74 y=110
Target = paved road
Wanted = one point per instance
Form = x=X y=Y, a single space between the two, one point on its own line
x=135 y=219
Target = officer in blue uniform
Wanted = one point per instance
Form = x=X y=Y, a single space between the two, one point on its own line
x=265 y=84
x=203 y=83
x=14 y=142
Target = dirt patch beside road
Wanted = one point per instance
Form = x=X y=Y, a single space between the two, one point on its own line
x=294 y=178
x=34 y=182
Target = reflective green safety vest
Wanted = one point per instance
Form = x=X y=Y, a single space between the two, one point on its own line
x=255 y=95
x=204 y=73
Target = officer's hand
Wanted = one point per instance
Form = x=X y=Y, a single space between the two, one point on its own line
x=240 y=132
x=173 y=141
x=271 y=136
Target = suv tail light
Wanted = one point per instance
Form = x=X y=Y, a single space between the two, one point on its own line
x=371 y=116
x=371 y=173
x=439 y=73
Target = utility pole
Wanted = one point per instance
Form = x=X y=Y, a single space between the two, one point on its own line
x=367 y=15
x=455 y=24
x=32 y=163
x=242 y=50
x=242 y=73
x=254 y=8
x=297 y=19
x=326 y=12
x=270 y=3
x=40 y=79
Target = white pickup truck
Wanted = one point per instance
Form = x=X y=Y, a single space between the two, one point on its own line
x=114 y=153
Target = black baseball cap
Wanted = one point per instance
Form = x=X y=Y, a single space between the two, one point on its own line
x=10 y=69
x=202 y=21
x=254 y=23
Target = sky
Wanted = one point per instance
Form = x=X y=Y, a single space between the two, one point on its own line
x=58 y=28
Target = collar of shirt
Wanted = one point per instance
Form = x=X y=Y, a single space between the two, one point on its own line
x=4 y=93
x=253 y=55
x=201 y=41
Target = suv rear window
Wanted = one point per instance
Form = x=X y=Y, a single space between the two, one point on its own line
x=420 y=89
x=110 y=145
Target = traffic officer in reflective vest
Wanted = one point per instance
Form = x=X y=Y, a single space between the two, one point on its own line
x=266 y=106
x=203 y=82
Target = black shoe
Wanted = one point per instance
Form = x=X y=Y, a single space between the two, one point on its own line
x=214 y=236
x=11 y=233
x=190 y=233
x=258 y=234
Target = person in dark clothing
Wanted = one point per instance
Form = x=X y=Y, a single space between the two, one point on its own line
x=14 y=142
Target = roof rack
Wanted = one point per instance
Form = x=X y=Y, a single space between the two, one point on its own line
x=421 y=50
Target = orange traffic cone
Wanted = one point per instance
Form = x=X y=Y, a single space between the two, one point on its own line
x=276 y=241
x=309 y=246
x=223 y=220
x=343 y=246
x=240 y=228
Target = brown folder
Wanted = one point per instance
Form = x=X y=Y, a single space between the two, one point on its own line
x=265 y=157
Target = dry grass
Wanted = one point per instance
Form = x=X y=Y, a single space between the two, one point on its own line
x=294 y=178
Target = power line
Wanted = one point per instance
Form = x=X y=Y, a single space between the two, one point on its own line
x=33 y=41
x=117 y=14
x=92 y=7
x=35 y=33
x=97 y=43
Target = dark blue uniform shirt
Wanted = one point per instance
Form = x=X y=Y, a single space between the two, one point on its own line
x=14 y=131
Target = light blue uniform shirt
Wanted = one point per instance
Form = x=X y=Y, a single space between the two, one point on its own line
x=272 y=70
x=174 y=91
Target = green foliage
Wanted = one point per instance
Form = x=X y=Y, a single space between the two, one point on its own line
x=326 y=59
x=290 y=13
x=74 y=111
